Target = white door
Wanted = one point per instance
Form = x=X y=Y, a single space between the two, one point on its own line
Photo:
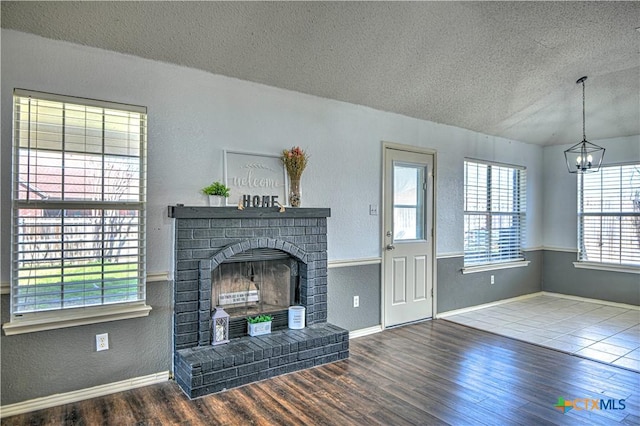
x=407 y=236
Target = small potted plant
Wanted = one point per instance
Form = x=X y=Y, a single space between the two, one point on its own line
x=217 y=192
x=259 y=325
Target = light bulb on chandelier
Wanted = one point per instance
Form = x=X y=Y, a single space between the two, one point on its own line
x=587 y=164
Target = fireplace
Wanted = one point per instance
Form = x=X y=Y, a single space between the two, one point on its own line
x=259 y=281
x=256 y=260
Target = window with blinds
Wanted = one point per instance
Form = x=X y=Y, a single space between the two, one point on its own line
x=78 y=203
x=609 y=215
x=494 y=213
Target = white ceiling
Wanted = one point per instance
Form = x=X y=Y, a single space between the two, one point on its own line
x=501 y=68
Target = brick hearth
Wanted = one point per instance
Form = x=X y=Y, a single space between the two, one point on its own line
x=205 y=369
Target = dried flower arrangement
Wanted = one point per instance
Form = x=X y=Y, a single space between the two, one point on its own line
x=295 y=161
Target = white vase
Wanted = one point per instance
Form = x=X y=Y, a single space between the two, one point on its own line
x=216 y=201
x=296 y=317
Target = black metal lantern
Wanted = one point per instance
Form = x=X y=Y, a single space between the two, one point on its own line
x=584 y=157
x=219 y=327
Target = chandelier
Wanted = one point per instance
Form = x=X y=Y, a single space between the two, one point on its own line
x=584 y=157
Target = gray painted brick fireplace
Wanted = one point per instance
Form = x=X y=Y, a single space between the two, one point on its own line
x=206 y=237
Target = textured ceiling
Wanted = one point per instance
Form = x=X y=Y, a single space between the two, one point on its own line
x=501 y=68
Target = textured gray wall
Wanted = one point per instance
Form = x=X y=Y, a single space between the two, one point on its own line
x=457 y=291
x=64 y=360
x=560 y=276
x=346 y=282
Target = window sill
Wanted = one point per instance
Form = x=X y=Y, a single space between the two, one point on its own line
x=607 y=267
x=495 y=266
x=31 y=323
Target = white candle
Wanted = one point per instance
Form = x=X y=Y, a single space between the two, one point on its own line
x=219 y=332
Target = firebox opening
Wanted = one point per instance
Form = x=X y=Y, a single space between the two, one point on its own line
x=254 y=283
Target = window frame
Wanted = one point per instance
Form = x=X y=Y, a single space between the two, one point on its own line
x=583 y=261
x=35 y=318
x=494 y=260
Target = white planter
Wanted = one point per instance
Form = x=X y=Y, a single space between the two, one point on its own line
x=259 y=328
x=216 y=201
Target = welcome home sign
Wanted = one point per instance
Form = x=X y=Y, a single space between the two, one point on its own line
x=254 y=180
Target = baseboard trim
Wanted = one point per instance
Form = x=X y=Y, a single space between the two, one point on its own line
x=589 y=300
x=365 y=331
x=486 y=305
x=82 y=394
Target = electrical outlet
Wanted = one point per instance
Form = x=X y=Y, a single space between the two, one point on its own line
x=102 y=342
x=356 y=301
x=373 y=209
x=493 y=280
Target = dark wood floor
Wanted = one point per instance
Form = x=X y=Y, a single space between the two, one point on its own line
x=431 y=373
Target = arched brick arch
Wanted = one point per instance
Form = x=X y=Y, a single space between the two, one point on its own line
x=258 y=243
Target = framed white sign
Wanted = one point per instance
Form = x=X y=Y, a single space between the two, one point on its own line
x=252 y=177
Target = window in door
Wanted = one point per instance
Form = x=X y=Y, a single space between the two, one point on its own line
x=408 y=201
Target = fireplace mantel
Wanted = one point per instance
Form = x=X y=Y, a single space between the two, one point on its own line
x=196 y=212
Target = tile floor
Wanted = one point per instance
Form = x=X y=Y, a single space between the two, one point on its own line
x=592 y=330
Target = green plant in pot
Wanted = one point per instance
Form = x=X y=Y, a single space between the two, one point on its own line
x=259 y=319
x=217 y=192
x=258 y=325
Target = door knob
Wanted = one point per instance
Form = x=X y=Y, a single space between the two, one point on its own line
x=390 y=247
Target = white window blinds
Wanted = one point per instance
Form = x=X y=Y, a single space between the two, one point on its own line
x=494 y=212
x=78 y=198
x=609 y=215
